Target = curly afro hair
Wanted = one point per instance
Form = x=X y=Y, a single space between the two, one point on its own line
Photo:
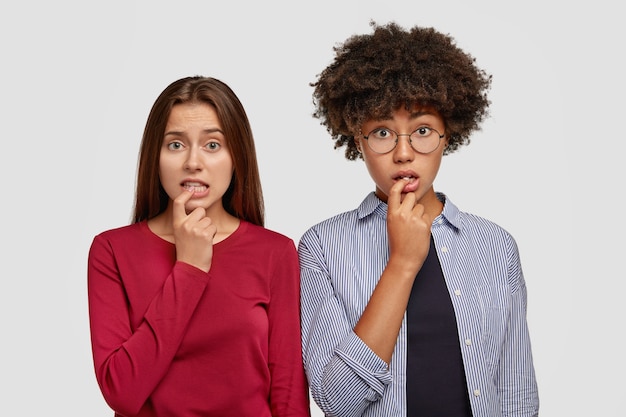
x=372 y=75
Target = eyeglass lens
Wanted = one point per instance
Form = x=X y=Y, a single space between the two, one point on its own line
x=422 y=140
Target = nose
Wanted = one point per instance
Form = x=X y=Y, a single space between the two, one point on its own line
x=403 y=151
x=192 y=163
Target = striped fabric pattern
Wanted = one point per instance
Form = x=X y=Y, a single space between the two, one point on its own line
x=341 y=260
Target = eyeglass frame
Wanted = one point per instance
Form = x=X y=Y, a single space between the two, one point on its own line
x=366 y=137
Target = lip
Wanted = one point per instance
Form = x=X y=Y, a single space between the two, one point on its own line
x=413 y=182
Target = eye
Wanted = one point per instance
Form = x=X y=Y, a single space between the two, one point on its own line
x=423 y=131
x=381 y=133
x=213 y=146
x=174 y=146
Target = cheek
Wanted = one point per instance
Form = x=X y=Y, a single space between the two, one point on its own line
x=169 y=175
x=225 y=167
x=164 y=169
x=378 y=171
x=433 y=169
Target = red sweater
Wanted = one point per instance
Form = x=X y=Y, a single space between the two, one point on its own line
x=171 y=340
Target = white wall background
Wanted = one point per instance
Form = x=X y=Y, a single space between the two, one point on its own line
x=77 y=82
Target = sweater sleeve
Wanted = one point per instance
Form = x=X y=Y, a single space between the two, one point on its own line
x=289 y=396
x=130 y=362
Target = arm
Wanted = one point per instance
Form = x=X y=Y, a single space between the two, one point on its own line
x=130 y=362
x=516 y=375
x=131 y=358
x=345 y=376
x=347 y=362
x=408 y=229
x=289 y=394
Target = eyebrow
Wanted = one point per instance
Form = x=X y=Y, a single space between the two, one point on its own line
x=419 y=114
x=180 y=133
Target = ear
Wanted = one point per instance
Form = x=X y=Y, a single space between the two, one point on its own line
x=357 y=142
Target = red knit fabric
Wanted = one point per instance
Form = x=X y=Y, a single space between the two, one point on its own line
x=171 y=340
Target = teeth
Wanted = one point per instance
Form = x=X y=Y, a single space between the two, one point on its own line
x=195 y=186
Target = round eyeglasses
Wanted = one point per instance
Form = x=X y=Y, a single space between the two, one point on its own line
x=423 y=140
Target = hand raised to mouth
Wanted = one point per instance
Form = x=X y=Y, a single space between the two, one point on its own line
x=193 y=233
x=408 y=227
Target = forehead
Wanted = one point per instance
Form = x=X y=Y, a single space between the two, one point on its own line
x=191 y=113
x=412 y=113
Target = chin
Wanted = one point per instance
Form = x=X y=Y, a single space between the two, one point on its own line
x=418 y=197
x=191 y=206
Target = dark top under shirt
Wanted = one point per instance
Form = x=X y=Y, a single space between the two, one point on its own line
x=436 y=384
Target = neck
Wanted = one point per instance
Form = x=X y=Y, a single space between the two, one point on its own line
x=431 y=203
x=226 y=224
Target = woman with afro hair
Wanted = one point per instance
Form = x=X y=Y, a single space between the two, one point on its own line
x=410 y=306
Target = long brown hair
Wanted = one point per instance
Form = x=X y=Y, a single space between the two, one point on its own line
x=244 y=197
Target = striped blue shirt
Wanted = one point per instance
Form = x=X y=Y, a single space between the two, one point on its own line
x=341 y=260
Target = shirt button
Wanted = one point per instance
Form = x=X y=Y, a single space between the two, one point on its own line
x=468 y=342
x=476 y=393
x=444 y=249
x=457 y=292
x=440 y=221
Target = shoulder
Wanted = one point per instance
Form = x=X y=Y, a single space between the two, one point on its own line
x=481 y=224
x=473 y=232
x=486 y=231
x=124 y=238
x=262 y=246
x=118 y=243
x=482 y=234
x=469 y=223
x=348 y=227
x=122 y=233
x=336 y=225
x=268 y=237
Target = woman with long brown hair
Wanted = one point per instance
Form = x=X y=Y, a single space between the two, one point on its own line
x=194 y=307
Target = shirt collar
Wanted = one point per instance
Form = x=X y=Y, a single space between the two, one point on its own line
x=373 y=205
x=450 y=213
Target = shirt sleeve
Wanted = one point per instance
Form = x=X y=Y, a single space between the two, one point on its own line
x=344 y=374
x=289 y=395
x=516 y=376
x=130 y=362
